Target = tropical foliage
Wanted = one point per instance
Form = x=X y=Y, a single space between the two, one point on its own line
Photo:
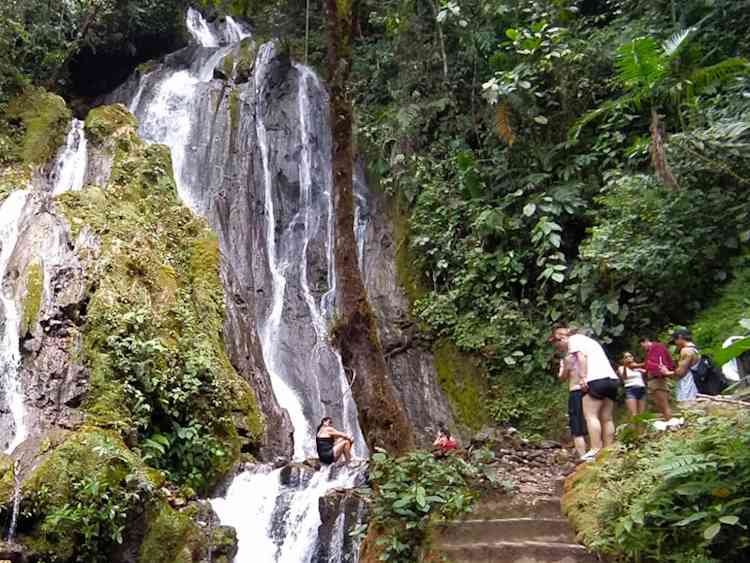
x=676 y=497
x=412 y=492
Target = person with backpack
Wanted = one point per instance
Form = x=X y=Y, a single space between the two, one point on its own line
x=690 y=357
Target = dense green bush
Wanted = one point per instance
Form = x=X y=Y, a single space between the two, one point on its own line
x=680 y=496
x=410 y=493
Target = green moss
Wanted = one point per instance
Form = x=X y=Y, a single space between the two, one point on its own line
x=45 y=119
x=32 y=301
x=246 y=60
x=409 y=276
x=721 y=319
x=158 y=306
x=462 y=379
x=7 y=478
x=105 y=123
x=234 y=111
x=13 y=177
x=167 y=535
x=227 y=66
x=63 y=479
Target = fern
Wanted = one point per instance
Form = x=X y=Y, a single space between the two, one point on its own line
x=684 y=465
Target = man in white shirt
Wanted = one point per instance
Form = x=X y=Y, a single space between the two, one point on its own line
x=598 y=381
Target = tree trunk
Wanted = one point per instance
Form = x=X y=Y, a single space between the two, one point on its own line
x=380 y=413
x=441 y=39
x=658 y=153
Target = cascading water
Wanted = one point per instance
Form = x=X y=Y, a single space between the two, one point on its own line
x=19 y=213
x=11 y=220
x=69 y=170
x=177 y=105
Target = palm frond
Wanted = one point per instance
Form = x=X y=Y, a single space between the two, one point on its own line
x=709 y=75
x=640 y=63
x=673 y=45
x=630 y=100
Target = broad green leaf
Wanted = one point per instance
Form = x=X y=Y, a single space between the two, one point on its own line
x=711 y=532
x=731 y=520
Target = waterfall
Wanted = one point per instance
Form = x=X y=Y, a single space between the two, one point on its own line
x=12 y=216
x=69 y=170
x=234 y=32
x=198 y=28
x=179 y=104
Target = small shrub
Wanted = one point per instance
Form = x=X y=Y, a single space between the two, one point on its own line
x=411 y=492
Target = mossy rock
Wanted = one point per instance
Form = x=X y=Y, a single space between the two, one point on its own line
x=409 y=276
x=246 y=60
x=32 y=301
x=462 y=379
x=45 y=119
x=7 y=478
x=158 y=301
x=108 y=123
x=91 y=465
x=167 y=536
x=14 y=177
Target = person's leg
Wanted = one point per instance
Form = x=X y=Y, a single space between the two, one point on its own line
x=641 y=406
x=342 y=448
x=606 y=416
x=632 y=405
x=580 y=444
x=591 y=408
x=661 y=399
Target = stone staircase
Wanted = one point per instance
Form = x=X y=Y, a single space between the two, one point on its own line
x=505 y=530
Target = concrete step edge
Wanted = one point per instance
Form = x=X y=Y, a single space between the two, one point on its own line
x=518 y=544
x=506 y=520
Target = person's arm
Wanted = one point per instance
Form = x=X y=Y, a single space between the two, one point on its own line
x=583 y=369
x=621 y=373
x=336 y=434
x=687 y=355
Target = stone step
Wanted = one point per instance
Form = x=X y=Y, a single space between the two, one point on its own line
x=518 y=552
x=503 y=507
x=506 y=529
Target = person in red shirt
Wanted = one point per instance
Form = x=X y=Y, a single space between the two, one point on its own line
x=444 y=443
x=657 y=357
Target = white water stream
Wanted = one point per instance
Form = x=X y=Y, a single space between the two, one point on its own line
x=69 y=169
x=11 y=222
x=17 y=213
x=275 y=522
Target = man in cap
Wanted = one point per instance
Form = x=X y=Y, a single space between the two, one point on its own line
x=689 y=358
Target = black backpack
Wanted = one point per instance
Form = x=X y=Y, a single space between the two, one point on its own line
x=709 y=379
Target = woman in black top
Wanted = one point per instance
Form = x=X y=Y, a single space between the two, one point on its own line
x=332 y=444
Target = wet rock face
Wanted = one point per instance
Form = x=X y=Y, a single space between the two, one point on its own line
x=340 y=513
x=46 y=275
x=223 y=176
x=220 y=169
x=408 y=355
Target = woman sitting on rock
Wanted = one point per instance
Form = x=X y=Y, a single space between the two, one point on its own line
x=444 y=443
x=332 y=444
